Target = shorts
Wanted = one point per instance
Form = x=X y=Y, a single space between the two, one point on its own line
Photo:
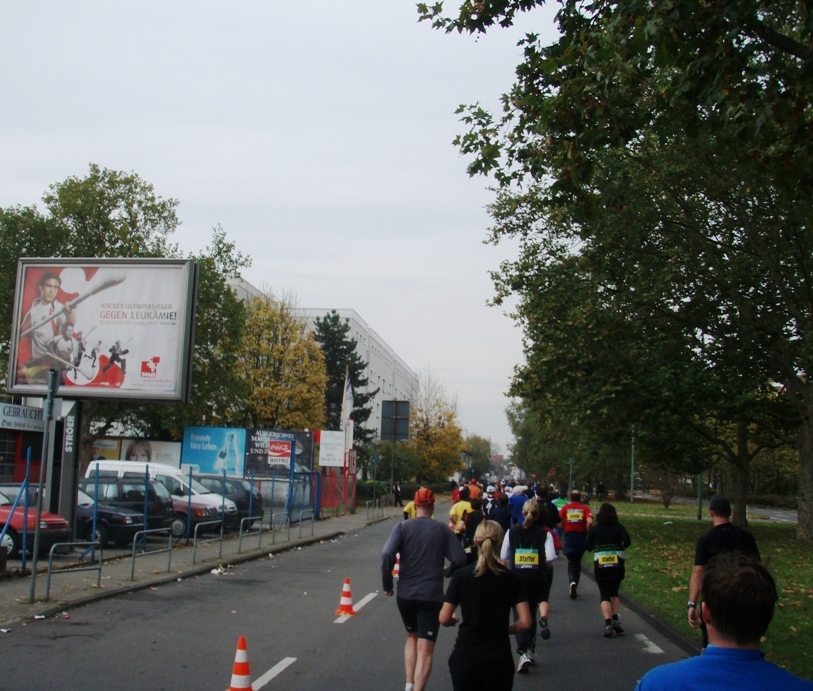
x=608 y=587
x=421 y=617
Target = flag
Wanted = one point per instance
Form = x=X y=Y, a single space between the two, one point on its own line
x=347 y=401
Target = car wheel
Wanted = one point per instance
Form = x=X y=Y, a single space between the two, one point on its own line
x=178 y=527
x=102 y=534
x=12 y=542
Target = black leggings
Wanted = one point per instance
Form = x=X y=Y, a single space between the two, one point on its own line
x=471 y=672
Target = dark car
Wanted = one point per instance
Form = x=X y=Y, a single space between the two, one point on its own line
x=129 y=494
x=249 y=500
x=112 y=522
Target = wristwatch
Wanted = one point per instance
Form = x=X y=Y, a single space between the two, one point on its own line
x=690 y=604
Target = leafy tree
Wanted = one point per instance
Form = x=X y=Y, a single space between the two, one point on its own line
x=673 y=140
x=284 y=365
x=113 y=214
x=217 y=388
x=478 y=451
x=342 y=359
x=435 y=434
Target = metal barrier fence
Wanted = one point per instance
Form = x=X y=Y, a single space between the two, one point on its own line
x=375 y=509
x=73 y=569
x=196 y=541
x=144 y=552
x=301 y=514
x=248 y=521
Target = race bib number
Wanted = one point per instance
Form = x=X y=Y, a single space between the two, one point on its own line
x=575 y=515
x=607 y=559
x=526 y=559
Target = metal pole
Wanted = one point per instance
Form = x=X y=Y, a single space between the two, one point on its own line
x=700 y=496
x=53 y=384
x=570 y=478
x=632 y=466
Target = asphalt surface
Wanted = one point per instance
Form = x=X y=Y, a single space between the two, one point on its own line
x=70 y=589
x=122 y=574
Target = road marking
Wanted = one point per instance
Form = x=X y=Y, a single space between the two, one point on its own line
x=357 y=607
x=274 y=671
x=649 y=646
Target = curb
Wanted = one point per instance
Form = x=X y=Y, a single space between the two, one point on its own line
x=691 y=648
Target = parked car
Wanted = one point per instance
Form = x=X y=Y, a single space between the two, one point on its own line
x=53 y=527
x=174 y=479
x=128 y=493
x=189 y=512
x=112 y=523
x=239 y=491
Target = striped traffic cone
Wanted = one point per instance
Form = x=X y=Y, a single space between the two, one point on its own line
x=241 y=673
x=397 y=570
x=346 y=603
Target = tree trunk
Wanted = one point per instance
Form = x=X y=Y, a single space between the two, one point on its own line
x=742 y=474
x=804 y=526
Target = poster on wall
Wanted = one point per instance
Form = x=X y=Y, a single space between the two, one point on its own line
x=214 y=449
x=165 y=452
x=113 y=328
x=269 y=451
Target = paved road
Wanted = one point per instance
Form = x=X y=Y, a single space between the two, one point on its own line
x=183 y=635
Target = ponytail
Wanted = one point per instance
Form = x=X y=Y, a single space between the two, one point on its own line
x=488 y=538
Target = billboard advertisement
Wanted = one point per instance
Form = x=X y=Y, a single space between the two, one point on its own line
x=114 y=328
x=214 y=449
x=269 y=452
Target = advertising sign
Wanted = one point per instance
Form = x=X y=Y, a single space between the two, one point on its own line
x=214 y=449
x=114 y=328
x=21 y=417
x=331 y=449
x=269 y=451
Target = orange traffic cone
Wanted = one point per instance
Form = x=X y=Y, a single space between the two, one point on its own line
x=241 y=674
x=397 y=570
x=346 y=603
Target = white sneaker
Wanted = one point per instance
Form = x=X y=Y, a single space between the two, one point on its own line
x=524 y=663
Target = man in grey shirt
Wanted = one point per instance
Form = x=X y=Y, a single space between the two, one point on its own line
x=423 y=545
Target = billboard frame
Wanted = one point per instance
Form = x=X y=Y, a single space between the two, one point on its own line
x=181 y=275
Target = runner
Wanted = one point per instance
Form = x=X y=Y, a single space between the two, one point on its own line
x=486 y=592
x=577 y=519
x=423 y=544
x=608 y=540
x=529 y=551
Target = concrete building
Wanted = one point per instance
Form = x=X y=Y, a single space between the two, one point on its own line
x=385 y=371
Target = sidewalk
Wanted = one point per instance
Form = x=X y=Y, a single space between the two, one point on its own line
x=74 y=589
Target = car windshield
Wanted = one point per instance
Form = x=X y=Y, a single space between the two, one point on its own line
x=84 y=499
x=4 y=500
x=199 y=488
x=161 y=491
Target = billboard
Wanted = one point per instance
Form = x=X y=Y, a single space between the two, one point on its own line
x=114 y=328
x=214 y=449
x=331 y=449
x=269 y=451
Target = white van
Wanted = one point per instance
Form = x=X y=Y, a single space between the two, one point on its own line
x=173 y=479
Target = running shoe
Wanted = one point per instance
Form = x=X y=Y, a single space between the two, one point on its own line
x=532 y=655
x=544 y=631
x=608 y=631
x=617 y=628
x=573 y=592
x=524 y=663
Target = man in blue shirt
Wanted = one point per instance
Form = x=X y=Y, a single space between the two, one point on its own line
x=739 y=596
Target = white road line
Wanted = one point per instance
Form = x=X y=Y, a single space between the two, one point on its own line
x=649 y=646
x=357 y=607
x=274 y=671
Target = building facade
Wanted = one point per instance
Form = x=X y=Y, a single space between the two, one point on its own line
x=385 y=371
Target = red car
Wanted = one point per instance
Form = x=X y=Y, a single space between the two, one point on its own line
x=53 y=527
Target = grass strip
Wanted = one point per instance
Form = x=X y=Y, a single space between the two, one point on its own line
x=660 y=562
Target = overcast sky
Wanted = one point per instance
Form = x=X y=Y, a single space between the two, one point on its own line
x=318 y=134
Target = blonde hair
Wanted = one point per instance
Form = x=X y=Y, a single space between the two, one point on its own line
x=530 y=509
x=488 y=538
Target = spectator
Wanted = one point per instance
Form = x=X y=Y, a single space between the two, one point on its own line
x=739 y=597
